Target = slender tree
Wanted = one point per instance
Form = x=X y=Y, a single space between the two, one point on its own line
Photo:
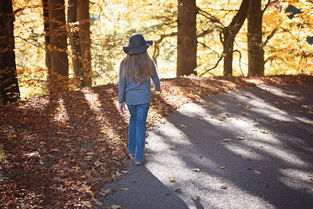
x=9 y=89
x=58 y=73
x=85 y=41
x=74 y=38
x=45 y=11
x=255 y=44
x=229 y=34
x=186 y=37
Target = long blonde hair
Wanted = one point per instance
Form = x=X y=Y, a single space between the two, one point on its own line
x=137 y=68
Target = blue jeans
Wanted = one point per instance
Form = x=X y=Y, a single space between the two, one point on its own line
x=137 y=129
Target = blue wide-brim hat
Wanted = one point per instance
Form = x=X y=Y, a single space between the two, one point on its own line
x=137 y=44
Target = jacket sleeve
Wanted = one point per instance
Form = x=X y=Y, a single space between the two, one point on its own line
x=121 y=88
x=156 y=80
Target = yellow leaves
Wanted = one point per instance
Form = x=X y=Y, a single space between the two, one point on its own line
x=222 y=166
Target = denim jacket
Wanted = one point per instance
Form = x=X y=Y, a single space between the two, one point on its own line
x=136 y=93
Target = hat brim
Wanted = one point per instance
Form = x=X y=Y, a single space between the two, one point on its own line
x=138 y=50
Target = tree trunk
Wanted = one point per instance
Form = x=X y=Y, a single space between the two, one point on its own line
x=45 y=11
x=58 y=74
x=230 y=33
x=228 y=46
x=85 y=41
x=255 y=44
x=9 y=89
x=186 y=37
x=74 y=39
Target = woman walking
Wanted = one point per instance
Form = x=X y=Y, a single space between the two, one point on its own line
x=134 y=90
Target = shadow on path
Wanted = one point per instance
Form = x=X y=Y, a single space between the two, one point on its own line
x=255 y=142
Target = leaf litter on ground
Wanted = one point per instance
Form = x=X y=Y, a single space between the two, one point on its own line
x=42 y=138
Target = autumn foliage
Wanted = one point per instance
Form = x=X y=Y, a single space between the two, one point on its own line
x=60 y=147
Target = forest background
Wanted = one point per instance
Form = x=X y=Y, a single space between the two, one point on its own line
x=286 y=38
x=59 y=150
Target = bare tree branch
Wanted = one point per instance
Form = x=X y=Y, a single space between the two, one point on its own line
x=156 y=51
x=215 y=66
x=266 y=6
x=206 y=46
x=240 y=56
x=210 y=17
x=203 y=33
x=270 y=36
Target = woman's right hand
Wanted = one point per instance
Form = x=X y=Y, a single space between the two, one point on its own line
x=122 y=107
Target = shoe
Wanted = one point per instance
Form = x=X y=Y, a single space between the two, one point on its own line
x=139 y=162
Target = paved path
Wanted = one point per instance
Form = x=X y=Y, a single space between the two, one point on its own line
x=256 y=143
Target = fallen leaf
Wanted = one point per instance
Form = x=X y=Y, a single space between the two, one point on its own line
x=227 y=140
x=250 y=150
x=171 y=179
x=97 y=202
x=124 y=188
x=106 y=192
x=12 y=136
x=87 y=204
x=172 y=147
x=115 y=207
x=33 y=154
x=196 y=169
x=88 y=191
x=257 y=172
x=67 y=182
x=239 y=137
x=222 y=166
x=224 y=186
x=222 y=116
x=264 y=132
x=178 y=190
